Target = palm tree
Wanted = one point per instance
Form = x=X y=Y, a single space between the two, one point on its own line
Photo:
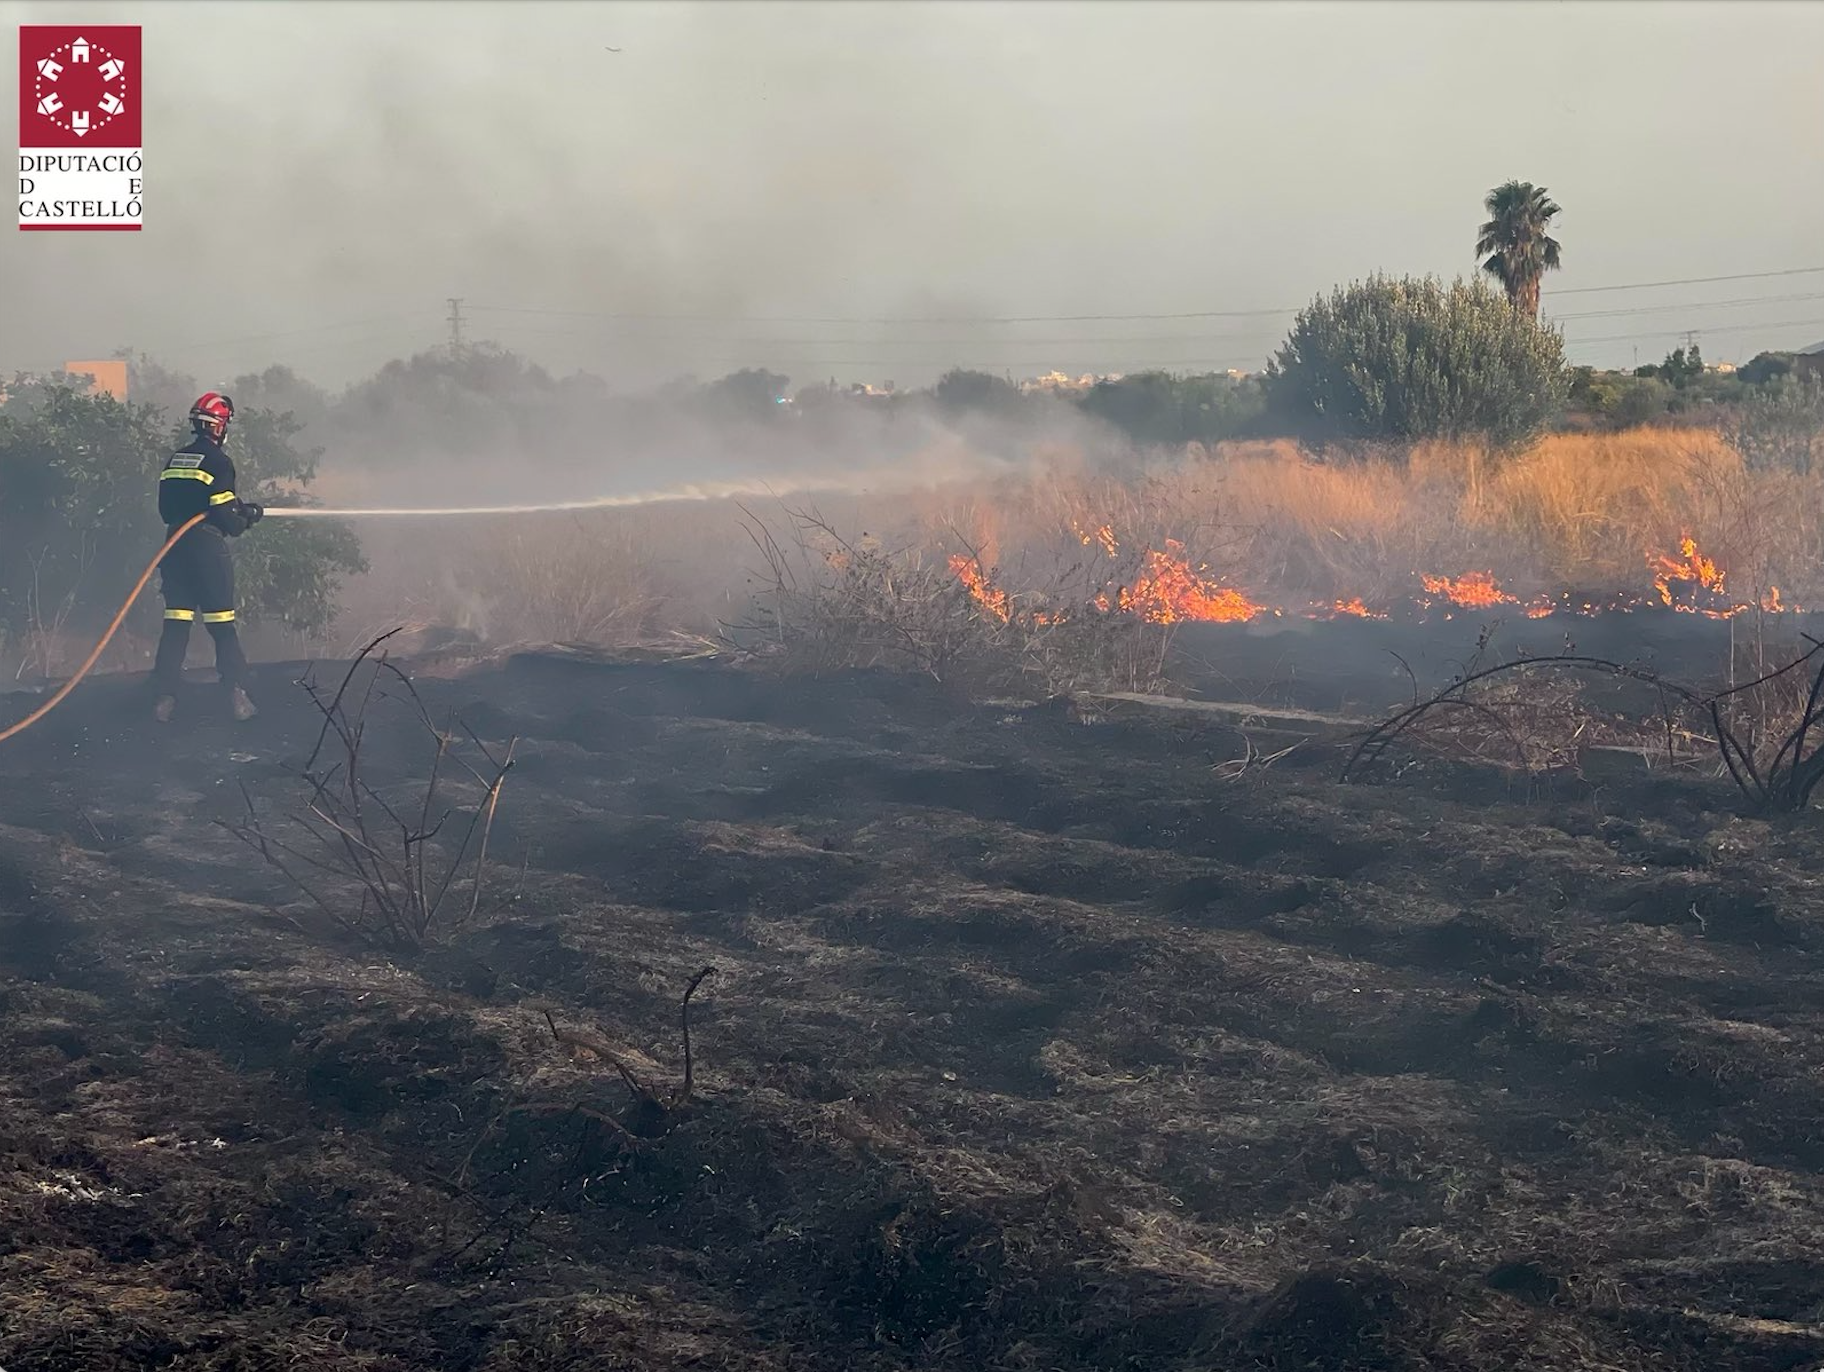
x=1519 y=253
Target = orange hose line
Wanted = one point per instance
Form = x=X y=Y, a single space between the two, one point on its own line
x=108 y=637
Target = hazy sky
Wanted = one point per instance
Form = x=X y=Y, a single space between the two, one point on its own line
x=321 y=176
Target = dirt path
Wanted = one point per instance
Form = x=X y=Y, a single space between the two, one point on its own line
x=1032 y=1044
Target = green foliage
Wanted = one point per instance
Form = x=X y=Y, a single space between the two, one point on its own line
x=1781 y=426
x=1678 y=370
x=472 y=402
x=73 y=506
x=79 y=515
x=1160 y=408
x=1640 y=400
x=1405 y=360
x=959 y=390
x=1765 y=367
x=750 y=395
x=288 y=570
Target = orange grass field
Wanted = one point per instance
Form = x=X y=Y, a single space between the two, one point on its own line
x=1666 y=516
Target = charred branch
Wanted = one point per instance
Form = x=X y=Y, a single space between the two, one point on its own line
x=1780 y=780
x=391 y=857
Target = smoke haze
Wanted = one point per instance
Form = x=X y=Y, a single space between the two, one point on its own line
x=321 y=177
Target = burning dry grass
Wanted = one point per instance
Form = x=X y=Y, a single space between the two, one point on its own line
x=828 y=603
x=1575 y=524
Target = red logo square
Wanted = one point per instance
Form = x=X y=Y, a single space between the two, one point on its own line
x=79 y=86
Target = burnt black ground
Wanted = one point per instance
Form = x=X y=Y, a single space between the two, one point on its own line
x=1360 y=666
x=1033 y=1044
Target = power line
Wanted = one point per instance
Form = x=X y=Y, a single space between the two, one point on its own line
x=1077 y=318
x=1624 y=311
x=458 y=321
x=214 y=346
x=932 y=319
x=220 y=343
x=774 y=347
x=650 y=341
x=1679 y=333
x=774 y=342
x=1249 y=361
x=1692 y=281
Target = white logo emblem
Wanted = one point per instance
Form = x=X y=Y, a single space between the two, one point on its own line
x=80 y=122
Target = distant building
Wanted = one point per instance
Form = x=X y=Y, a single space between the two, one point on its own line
x=1058 y=381
x=105 y=378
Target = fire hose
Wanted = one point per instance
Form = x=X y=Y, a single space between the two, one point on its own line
x=101 y=647
x=714 y=491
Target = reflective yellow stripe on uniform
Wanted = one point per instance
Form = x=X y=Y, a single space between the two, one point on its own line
x=186 y=474
x=185 y=616
x=221 y=497
x=219 y=617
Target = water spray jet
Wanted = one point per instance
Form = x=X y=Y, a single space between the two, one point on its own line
x=728 y=490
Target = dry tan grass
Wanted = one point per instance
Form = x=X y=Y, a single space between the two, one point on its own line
x=1574 y=512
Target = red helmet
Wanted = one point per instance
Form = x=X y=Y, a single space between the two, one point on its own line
x=212 y=413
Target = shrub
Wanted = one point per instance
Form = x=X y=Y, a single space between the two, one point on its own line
x=1160 y=408
x=1408 y=360
x=1781 y=428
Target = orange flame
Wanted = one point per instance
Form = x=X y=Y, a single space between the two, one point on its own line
x=1352 y=608
x=990 y=597
x=1104 y=536
x=1690 y=566
x=1167 y=591
x=1473 y=590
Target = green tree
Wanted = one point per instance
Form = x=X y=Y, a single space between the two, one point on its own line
x=1640 y=400
x=1781 y=426
x=478 y=403
x=289 y=570
x=1411 y=359
x=1765 y=367
x=1679 y=369
x=959 y=390
x=74 y=489
x=1514 y=245
x=1163 y=408
x=751 y=394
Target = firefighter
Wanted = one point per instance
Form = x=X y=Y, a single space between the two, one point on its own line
x=197 y=576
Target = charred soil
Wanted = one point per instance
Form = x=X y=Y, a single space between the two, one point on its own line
x=1036 y=1040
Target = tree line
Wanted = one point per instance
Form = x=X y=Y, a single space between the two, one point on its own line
x=1385 y=361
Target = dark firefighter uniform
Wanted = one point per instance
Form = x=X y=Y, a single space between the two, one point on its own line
x=197 y=575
